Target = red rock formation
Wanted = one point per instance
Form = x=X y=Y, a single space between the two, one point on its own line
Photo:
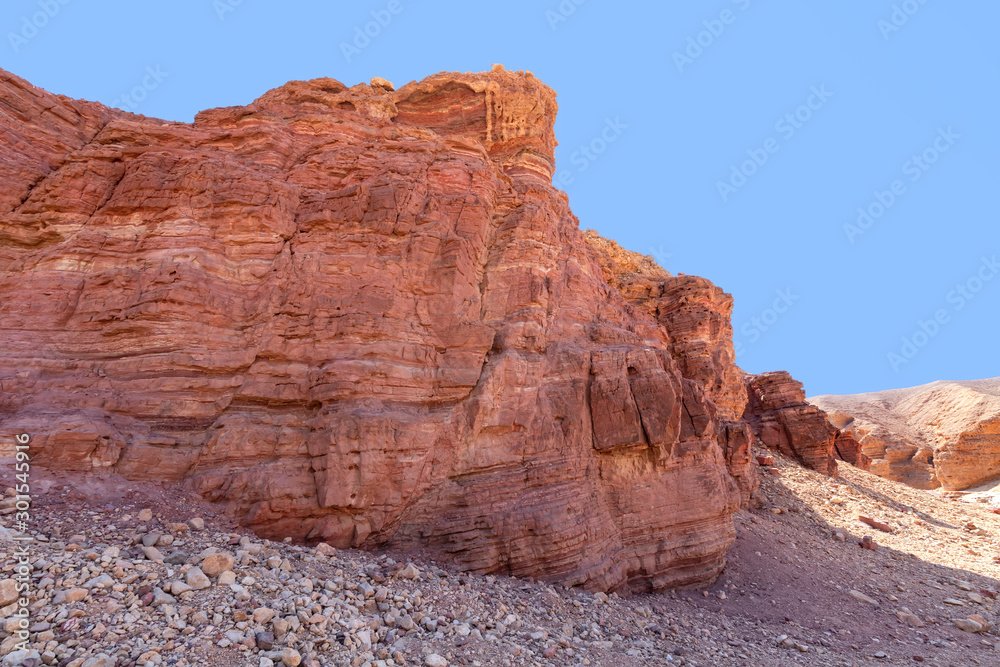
x=365 y=316
x=696 y=316
x=780 y=416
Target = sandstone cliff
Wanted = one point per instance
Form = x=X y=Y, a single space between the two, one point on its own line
x=364 y=316
x=944 y=434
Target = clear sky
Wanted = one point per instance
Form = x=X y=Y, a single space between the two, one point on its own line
x=747 y=134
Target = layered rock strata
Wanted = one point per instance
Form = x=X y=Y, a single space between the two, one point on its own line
x=364 y=316
x=696 y=315
x=782 y=419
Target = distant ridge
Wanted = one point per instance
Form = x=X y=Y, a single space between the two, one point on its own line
x=943 y=434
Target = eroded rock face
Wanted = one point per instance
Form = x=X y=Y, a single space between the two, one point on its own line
x=780 y=416
x=365 y=316
x=847 y=449
x=696 y=315
x=944 y=434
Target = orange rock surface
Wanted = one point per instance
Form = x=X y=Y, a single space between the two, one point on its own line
x=364 y=316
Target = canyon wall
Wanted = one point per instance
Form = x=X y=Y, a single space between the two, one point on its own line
x=364 y=316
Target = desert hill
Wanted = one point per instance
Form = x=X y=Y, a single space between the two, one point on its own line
x=944 y=434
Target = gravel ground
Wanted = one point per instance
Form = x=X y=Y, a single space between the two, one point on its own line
x=144 y=574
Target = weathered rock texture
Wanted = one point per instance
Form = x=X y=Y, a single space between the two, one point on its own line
x=847 y=449
x=365 y=316
x=780 y=416
x=943 y=434
x=697 y=317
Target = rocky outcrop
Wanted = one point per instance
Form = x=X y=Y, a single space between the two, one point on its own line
x=944 y=434
x=847 y=449
x=364 y=316
x=780 y=416
x=696 y=315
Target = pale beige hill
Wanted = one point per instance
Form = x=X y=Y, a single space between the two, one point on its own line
x=944 y=434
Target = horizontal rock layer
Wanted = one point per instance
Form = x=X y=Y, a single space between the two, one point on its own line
x=780 y=416
x=365 y=316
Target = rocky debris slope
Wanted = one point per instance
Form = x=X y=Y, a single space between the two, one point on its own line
x=364 y=316
x=943 y=434
x=922 y=589
x=127 y=574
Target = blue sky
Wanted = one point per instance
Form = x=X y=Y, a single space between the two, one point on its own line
x=748 y=134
